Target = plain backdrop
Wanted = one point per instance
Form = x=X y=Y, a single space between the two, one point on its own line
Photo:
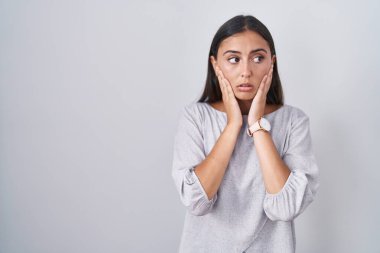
x=90 y=93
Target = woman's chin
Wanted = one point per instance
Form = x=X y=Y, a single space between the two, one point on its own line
x=245 y=96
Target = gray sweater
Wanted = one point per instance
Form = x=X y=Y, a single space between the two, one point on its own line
x=242 y=216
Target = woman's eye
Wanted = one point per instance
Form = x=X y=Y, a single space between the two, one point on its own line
x=233 y=60
x=258 y=59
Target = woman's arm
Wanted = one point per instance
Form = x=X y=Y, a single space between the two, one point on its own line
x=291 y=181
x=197 y=176
x=211 y=170
x=275 y=171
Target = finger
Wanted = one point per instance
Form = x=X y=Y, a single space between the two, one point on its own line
x=268 y=80
x=271 y=70
x=263 y=82
x=217 y=73
x=225 y=84
x=229 y=91
x=222 y=86
x=228 y=88
x=220 y=82
x=220 y=72
x=270 y=73
x=262 y=85
x=223 y=80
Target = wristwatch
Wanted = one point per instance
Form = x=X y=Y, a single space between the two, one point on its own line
x=261 y=124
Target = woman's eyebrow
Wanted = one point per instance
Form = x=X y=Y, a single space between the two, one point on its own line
x=252 y=51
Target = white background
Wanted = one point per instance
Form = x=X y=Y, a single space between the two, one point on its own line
x=90 y=93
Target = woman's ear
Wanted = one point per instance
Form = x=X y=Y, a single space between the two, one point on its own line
x=273 y=59
x=213 y=62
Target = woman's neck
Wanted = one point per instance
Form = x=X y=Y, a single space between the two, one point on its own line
x=245 y=106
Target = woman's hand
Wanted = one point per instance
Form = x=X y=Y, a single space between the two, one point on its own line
x=231 y=105
x=258 y=104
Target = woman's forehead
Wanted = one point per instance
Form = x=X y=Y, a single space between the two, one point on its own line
x=245 y=41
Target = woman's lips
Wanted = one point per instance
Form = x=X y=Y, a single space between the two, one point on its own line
x=245 y=87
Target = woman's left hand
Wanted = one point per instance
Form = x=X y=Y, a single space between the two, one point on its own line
x=259 y=101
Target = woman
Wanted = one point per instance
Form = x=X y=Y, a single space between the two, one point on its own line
x=243 y=162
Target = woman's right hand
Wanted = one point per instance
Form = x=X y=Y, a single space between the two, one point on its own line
x=234 y=116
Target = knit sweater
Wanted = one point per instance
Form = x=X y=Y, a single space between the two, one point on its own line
x=242 y=216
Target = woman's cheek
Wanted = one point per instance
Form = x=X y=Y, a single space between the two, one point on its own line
x=225 y=68
x=266 y=68
x=261 y=72
x=227 y=72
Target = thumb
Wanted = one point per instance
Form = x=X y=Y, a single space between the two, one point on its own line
x=261 y=89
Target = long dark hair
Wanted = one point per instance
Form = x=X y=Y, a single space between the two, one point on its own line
x=238 y=24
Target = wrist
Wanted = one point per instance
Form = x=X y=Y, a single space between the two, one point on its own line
x=235 y=124
x=260 y=125
x=233 y=127
x=259 y=132
x=253 y=121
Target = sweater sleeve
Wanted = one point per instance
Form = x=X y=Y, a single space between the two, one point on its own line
x=188 y=153
x=302 y=184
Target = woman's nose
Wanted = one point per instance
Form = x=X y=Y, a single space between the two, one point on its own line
x=246 y=71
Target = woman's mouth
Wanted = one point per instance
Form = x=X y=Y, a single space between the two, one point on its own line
x=245 y=87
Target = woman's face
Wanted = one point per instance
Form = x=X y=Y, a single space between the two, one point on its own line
x=244 y=58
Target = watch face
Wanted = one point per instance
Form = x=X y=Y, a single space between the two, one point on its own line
x=265 y=124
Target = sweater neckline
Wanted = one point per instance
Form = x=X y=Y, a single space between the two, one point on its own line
x=244 y=116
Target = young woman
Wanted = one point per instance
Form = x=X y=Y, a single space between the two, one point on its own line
x=243 y=161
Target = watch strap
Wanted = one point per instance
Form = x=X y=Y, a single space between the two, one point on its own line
x=255 y=127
